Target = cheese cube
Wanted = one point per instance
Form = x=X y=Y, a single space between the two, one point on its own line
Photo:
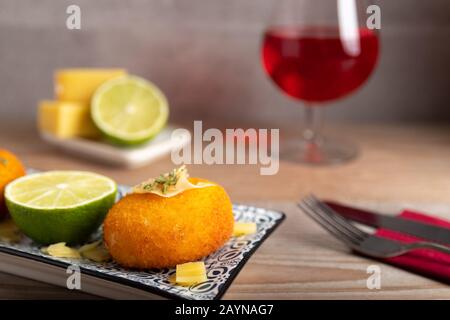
x=80 y=84
x=244 y=228
x=190 y=273
x=66 y=119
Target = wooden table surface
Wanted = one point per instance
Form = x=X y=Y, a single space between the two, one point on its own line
x=399 y=165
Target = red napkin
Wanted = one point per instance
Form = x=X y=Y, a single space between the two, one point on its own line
x=427 y=262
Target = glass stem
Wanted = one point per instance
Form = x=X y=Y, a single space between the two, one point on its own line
x=312 y=125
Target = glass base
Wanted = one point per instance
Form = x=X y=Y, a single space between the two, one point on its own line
x=325 y=152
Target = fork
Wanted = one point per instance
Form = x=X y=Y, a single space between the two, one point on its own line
x=357 y=239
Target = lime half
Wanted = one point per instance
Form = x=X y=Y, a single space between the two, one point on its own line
x=129 y=110
x=60 y=206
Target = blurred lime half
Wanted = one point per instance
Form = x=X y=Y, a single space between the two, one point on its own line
x=129 y=110
x=60 y=206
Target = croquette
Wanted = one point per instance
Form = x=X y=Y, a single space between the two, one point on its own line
x=145 y=230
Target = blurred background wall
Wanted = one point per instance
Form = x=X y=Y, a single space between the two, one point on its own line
x=205 y=55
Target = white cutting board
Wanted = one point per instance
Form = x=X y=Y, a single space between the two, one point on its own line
x=161 y=145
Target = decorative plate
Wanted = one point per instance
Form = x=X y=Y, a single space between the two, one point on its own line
x=222 y=266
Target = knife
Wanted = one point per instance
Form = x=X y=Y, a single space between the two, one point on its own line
x=413 y=228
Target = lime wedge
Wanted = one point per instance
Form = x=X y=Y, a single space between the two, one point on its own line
x=129 y=110
x=60 y=206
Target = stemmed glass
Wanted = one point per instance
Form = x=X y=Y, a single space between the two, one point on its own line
x=317 y=51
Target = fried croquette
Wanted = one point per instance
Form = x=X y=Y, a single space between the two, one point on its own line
x=144 y=230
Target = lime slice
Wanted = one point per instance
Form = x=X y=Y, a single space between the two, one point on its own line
x=60 y=206
x=129 y=110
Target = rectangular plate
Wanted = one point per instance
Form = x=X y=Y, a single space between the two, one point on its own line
x=222 y=266
x=130 y=157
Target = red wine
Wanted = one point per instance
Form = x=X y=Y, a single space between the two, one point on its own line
x=315 y=64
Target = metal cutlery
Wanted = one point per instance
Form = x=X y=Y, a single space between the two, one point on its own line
x=357 y=239
x=414 y=228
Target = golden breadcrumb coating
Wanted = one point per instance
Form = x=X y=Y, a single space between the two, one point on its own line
x=148 y=231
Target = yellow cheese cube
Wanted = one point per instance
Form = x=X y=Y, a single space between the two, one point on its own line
x=244 y=228
x=190 y=273
x=66 y=119
x=80 y=84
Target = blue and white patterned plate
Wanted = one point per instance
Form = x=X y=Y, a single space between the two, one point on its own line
x=222 y=266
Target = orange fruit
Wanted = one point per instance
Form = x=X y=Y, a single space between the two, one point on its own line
x=10 y=169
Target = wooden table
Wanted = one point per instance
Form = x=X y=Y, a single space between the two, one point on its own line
x=398 y=165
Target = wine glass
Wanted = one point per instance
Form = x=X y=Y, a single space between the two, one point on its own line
x=318 y=51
